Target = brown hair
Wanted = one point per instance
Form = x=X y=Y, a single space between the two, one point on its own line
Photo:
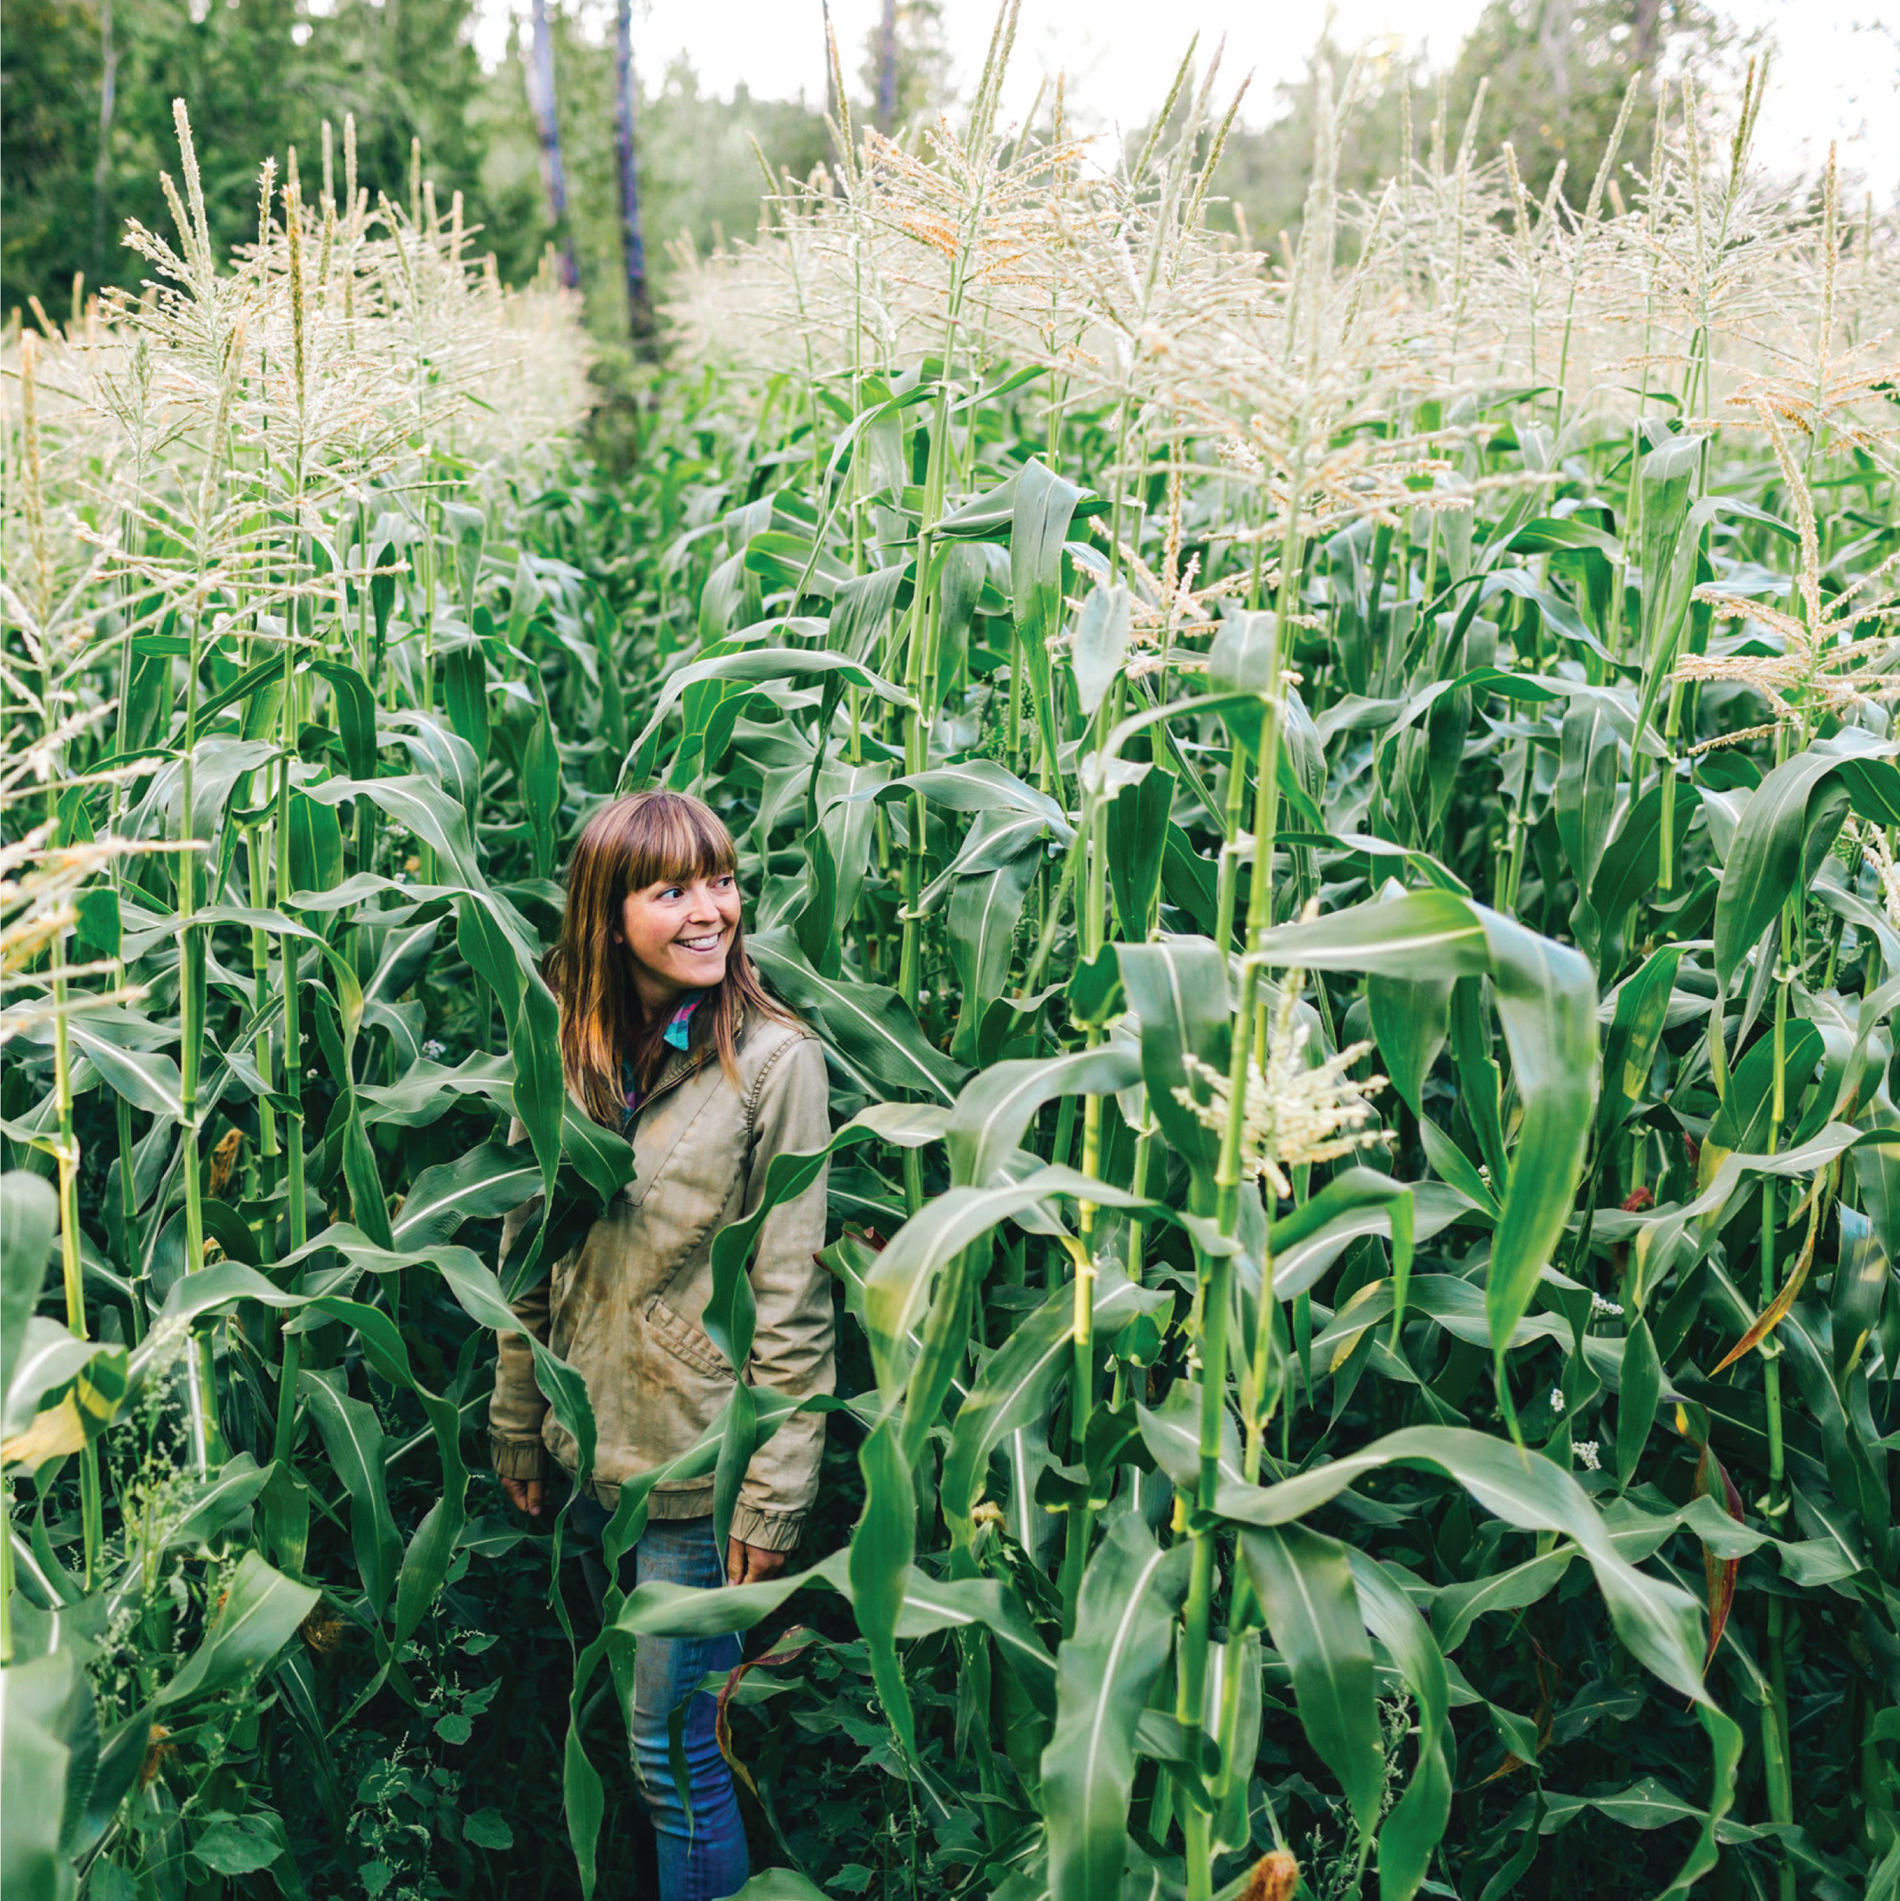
x=651 y=838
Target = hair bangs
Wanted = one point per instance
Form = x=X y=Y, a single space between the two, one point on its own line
x=671 y=837
x=656 y=838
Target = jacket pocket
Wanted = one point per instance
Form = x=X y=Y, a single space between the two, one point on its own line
x=685 y=1341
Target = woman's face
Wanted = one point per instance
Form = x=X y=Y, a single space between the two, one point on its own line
x=679 y=935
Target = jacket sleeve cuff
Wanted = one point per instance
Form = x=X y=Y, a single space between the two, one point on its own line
x=770 y=1531
x=518 y=1458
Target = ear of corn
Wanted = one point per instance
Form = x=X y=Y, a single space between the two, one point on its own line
x=1335 y=811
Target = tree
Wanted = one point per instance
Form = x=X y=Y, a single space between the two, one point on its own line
x=887 y=69
x=364 y=62
x=1555 y=72
x=1263 y=174
x=544 y=103
x=102 y=160
x=632 y=238
x=906 y=70
x=88 y=90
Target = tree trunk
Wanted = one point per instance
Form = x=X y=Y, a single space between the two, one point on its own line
x=887 y=70
x=632 y=239
x=1553 y=41
x=102 y=161
x=547 y=124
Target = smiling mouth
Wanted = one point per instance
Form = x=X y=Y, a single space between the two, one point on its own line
x=701 y=944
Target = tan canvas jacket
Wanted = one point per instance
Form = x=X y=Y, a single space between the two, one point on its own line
x=624 y=1308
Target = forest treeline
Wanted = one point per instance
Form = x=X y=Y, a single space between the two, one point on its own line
x=86 y=88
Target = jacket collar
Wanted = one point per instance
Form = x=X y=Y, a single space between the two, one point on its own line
x=701 y=1049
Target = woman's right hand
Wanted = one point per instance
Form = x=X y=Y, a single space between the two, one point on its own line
x=525 y=1495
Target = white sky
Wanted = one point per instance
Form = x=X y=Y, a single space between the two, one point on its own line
x=1836 y=68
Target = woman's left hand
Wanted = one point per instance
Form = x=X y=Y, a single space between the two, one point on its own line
x=751 y=1564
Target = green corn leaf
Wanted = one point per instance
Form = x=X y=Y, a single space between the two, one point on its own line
x=1101 y=641
x=977 y=785
x=1657 y=1621
x=871 y=1024
x=426 y=1091
x=1312 y=1609
x=260 y=1614
x=465 y=695
x=467 y=527
x=1416 y=1824
x=1546 y=1002
x=29 y=1220
x=1725 y=1750
x=879 y=1562
x=425 y=1564
x=898 y=1289
x=1629 y=1051
x=62 y=1394
x=751 y=667
x=995 y=1107
x=1458 y=1606
x=1636 y=1398
x=1017 y=1380
x=1137 y=846
x=354 y=1445
x=1103 y=1675
x=1786 y=829
x=34 y=1766
x=984 y=910
x=1299 y=1263
x=1584 y=801
x=541 y=790
x=1632 y=862
x=355 y=707
x=490 y=1180
x=217 y=1505
x=1178 y=990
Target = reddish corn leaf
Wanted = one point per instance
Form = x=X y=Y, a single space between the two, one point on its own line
x=1720 y=1572
x=1777 y=1310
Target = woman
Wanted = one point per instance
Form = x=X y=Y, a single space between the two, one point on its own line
x=668 y=1034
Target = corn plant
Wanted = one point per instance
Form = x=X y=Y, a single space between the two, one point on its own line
x=1335 y=811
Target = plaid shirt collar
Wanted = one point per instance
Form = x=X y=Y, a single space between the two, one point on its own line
x=677 y=1035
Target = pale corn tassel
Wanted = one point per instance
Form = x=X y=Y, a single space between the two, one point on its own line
x=1468 y=144
x=32 y=481
x=1206 y=179
x=1607 y=164
x=840 y=104
x=1405 y=182
x=1692 y=136
x=293 y=229
x=1520 y=202
x=1830 y=254
x=266 y=193
x=329 y=216
x=354 y=231
x=217 y=452
x=198 y=235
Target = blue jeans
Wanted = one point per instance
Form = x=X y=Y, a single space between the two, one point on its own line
x=701 y=1845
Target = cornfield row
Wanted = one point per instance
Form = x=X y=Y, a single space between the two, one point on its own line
x=1335 y=811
